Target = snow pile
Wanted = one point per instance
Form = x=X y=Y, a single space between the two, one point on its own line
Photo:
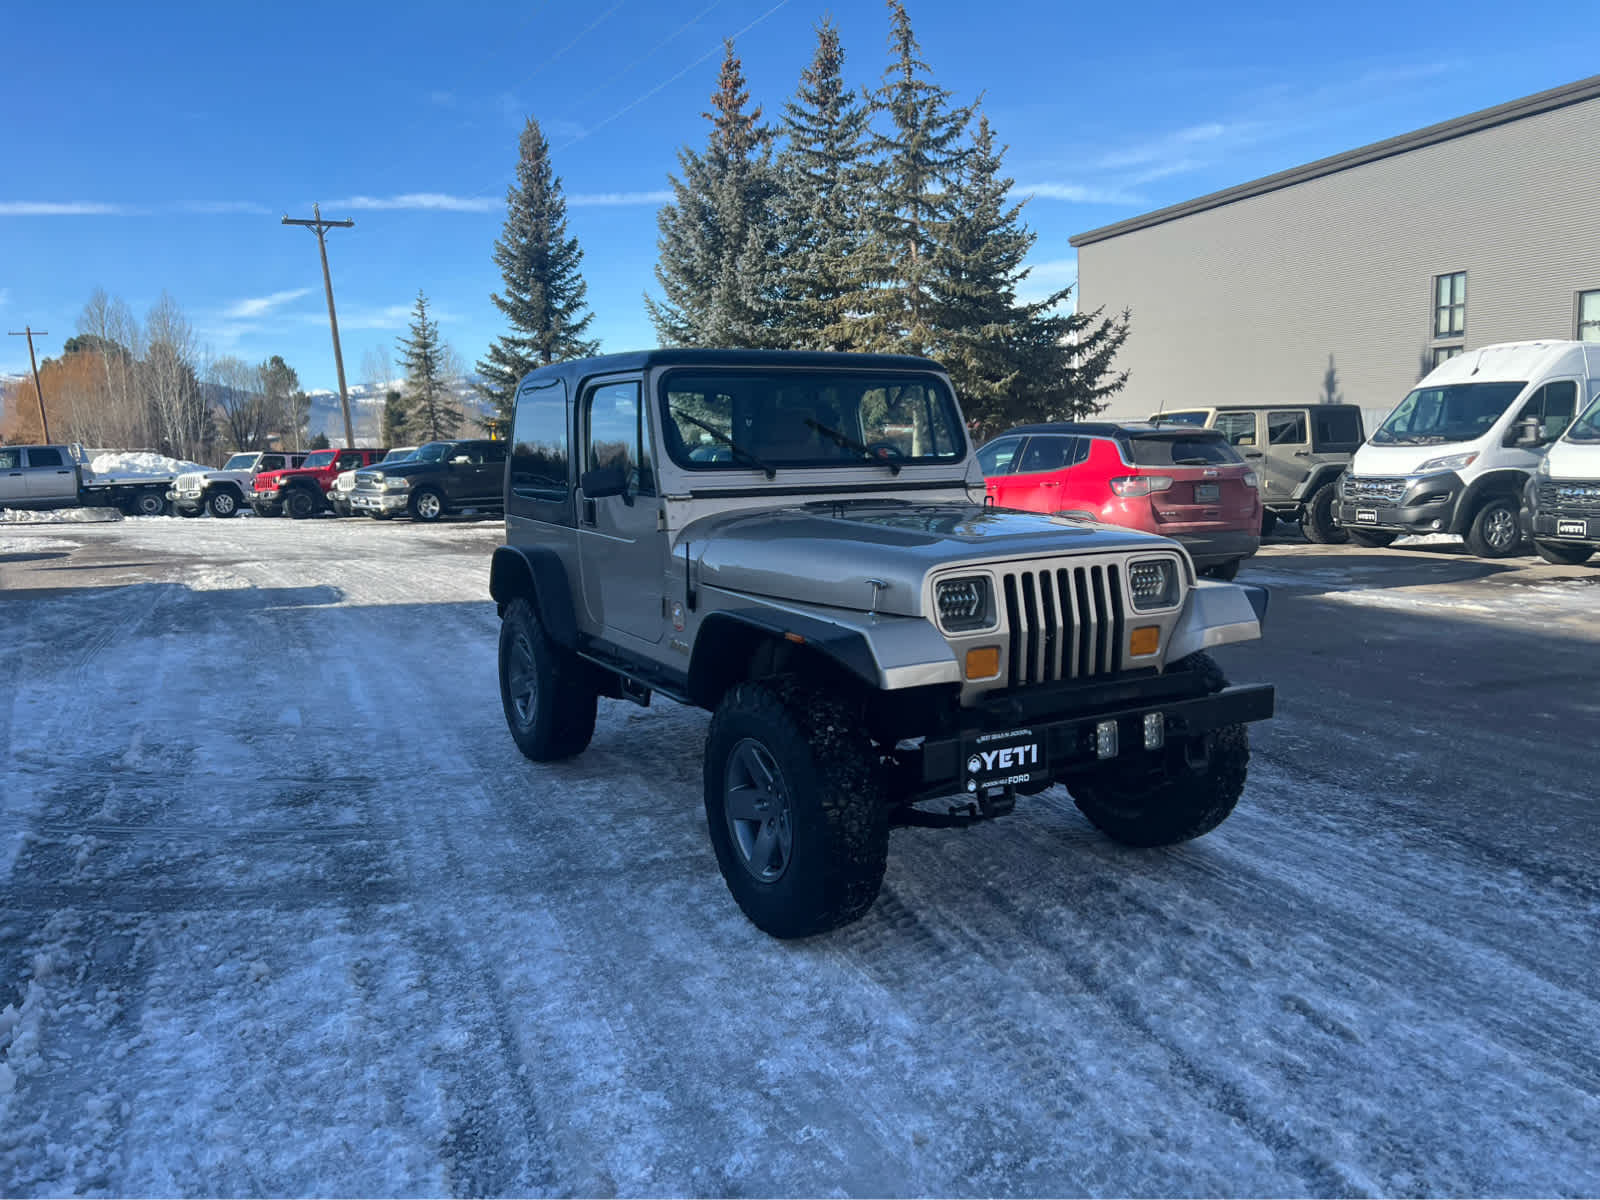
x=58 y=516
x=109 y=468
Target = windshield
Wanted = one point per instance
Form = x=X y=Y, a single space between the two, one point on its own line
x=1454 y=412
x=400 y=454
x=240 y=462
x=1587 y=427
x=1180 y=450
x=736 y=420
x=322 y=458
x=432 y=452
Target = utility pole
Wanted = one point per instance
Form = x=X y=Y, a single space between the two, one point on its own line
x=28 y=331
x=321 y=227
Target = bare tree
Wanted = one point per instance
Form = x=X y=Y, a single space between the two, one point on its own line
x=241 y=405
x=116 y=414
x=171 y=385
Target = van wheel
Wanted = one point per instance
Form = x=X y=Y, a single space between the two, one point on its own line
x=1564 y=556
x=1374 y=539
x=1317 y=522
x=1495 y=532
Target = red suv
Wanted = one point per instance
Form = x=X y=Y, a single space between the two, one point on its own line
x=1188 y=484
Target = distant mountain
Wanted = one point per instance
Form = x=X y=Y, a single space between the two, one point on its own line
x=366 y=407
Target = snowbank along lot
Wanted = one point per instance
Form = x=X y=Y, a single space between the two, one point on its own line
x=283 y=911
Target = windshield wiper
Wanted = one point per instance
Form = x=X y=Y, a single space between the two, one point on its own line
x=738 y=450
x=850 y=443
x=1191 y=462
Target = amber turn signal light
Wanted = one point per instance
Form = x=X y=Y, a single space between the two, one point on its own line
x=1144 y=640
x=983 y=663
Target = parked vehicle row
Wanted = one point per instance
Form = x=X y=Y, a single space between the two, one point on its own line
x=227 y=490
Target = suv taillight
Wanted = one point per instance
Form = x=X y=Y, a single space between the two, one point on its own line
x=1140 y=485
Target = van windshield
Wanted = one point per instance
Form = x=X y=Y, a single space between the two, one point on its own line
x=1587 y=427
x=1455 y=412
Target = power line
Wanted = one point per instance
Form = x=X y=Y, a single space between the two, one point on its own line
x=321 y=227
x=28 y=331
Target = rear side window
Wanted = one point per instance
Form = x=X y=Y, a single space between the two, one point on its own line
x=1335 y=430
x=1179 y=450
x=1287 y=428
x=10 y=460
x=271 y=462
x=1239 y=428
x=539 y=443
x=1051 y=453
x=44 y=457
x=999 y=456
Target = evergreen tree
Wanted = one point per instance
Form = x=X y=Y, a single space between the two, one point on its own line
x=434 y=415
x=544 y=296
x=396 y=419
x=718 y=264
x=824 y=180
x=319 y=442
x=916 y=159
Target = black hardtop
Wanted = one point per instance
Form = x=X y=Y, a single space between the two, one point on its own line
x=1278 y=407
x=1109 y=429
x=639 y=360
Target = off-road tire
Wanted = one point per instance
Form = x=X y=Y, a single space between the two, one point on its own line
x=1373 y=539
x=1496 y=531
x=420 y=505
x=556 y=720
x=1562 y=555
x=1184 y=802
x=222 y=503
x=189 y=512
x=1269 y=521
x=1316 y=518
x=300 y=504
x=838 y=816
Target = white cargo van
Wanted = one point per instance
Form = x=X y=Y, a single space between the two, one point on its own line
x=1561 y=504
x=1456 y=454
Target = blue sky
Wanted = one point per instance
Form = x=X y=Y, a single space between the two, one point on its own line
x=152 y=147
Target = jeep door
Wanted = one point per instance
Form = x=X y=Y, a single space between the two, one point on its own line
x=621 y=545
x=50 y=475
x=13 y=486
x=1288 y=458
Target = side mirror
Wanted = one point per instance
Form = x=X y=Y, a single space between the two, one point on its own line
x=604 y=481
x=1527 y=432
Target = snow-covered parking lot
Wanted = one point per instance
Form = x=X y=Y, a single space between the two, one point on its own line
x=283 y=911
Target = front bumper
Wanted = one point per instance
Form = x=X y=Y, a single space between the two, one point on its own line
x=1411 y=504
x=1057 y=745
x=384 y=502
x=186 y=501
x=1573 y=520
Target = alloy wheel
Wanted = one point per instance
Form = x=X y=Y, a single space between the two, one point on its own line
x=756 y=801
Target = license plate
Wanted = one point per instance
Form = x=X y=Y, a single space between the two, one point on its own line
x=1207 y=493
x=1367 y=516
x=1576 y=529
x=993 y=759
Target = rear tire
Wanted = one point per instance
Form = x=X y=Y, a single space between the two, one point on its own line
x=148 y=504
x=189 y=512
x=1269 y=521
x=1496 y=530
x=1373 y=539
x=794 y=806
x=545 y=689
x=1562 y=555
x=1316 y=520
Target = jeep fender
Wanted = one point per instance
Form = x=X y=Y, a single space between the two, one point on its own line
x=1325 y=473
x=883 y=652
x=1218 y=614
x=1507 y=482
x=535 y=572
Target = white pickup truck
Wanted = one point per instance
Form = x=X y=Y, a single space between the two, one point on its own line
x=60 y=476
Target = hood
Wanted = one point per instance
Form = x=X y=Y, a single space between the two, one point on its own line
x=1574 y=460
x=1407 y=458
x=826 y=553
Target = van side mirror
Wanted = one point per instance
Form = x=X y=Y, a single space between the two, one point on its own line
x=1527 y=432
x=604 y=481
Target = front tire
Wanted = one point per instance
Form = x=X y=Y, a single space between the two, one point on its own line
x=222 y=504
x=1495 y=531
x=1317 y=522
x=1563 y=556
x=549 y=701
x=427 y=506
x=300 y=504
x=1373 y=539
x=794 y=804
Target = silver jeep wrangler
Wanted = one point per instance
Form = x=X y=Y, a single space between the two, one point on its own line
x=797 y=542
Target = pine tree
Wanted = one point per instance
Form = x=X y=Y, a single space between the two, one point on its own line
x=434 y=415
x=916 y=159
x=544 y=297
x=396 y=418
x=824 y=180
x=718 y=262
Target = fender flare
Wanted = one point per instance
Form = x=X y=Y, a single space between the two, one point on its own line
x=536 y=572
x=1510 y=482
x=846 y=649
x=1322 y=474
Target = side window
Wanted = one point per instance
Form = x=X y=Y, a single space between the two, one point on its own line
x=44 y=456
x=1335 y=430
x=1554 y=405
x=1238 y=427
x=615 y=434
x=348 y=459
x=10 y=460
x=1048 y=454
x=539 y=443
x=494 y=452
x=270 y=462
x=1287 y=428
x=998 y=457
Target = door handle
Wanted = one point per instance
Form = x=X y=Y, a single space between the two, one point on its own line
x=1252 y=454
x=588 y=511
x=1050 y=483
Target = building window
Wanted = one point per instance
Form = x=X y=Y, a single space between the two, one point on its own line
x=1444 y=353
x=1450 y=305
x=1589 y=316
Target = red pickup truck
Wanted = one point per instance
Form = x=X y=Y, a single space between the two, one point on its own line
x=303 y=491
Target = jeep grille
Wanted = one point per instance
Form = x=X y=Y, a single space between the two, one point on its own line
x=1065 y=622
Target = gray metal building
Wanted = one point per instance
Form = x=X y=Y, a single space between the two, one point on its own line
x=1390 y=258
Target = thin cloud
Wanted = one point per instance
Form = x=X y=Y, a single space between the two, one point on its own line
x=259 y=306
x=616 y=199
x=1167 y=146
x=1076 y=193
x=424 y=201
x=222 y=207
x=393 y=316
x=31 y=208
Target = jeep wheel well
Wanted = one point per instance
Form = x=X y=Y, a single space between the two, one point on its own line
x=736 y=652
